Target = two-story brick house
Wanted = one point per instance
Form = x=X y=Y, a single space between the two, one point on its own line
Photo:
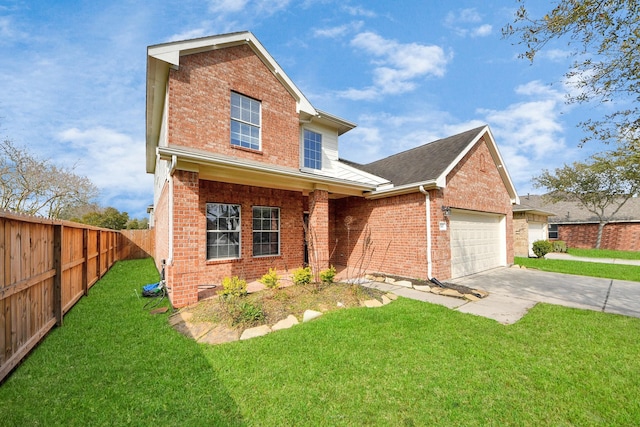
x=242 y=161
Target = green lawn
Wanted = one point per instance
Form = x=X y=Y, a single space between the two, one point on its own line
x=604 y=253
x=582 y=268
x=408 y=363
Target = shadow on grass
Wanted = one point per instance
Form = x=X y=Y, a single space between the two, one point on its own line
x=114 y=363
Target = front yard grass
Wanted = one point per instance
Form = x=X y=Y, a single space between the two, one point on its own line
x=604 y=253
x=582 y=268
x=407 y=363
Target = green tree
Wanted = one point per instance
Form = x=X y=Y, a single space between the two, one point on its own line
x=106 y=218
x=603 y=184
x=603 y=37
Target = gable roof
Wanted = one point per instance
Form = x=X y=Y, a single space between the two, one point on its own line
x=163 y=57
x=575 y=213
x=429 y=164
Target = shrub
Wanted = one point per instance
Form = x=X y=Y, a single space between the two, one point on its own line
x=328 y=275
x=302 y=276
x=559 y=246
x=233 y=286
x=245 y=313
x=542 y=247
x=271 y=280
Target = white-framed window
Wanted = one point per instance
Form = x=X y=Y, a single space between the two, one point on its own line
x=553 y=231
x=223 y=231
x=245 y=121
x=266 y=231
x=312 y=150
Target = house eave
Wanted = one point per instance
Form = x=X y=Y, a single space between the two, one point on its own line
x=402 y=189
x=233 y=170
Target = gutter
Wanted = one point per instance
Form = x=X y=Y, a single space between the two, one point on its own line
x=427 y=207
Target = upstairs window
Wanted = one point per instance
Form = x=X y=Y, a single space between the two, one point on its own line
x=245 y=122
x=312 y=150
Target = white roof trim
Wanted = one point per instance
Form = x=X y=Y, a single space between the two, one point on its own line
x=171 y=53
x=497 y=158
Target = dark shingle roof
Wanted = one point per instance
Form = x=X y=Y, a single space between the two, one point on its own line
x=424 y=163
x=574 y=212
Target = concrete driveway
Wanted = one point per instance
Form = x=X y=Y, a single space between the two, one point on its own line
x=513 y=291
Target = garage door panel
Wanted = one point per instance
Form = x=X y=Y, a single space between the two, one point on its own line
x=477 y=242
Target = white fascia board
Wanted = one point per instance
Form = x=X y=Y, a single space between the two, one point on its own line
x=386 y=191
x=371 y=177
x=497 y=158
x=171 y=53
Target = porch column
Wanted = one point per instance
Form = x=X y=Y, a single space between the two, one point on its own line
x=319 y=229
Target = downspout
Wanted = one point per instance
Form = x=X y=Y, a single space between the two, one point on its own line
x=427 y=208
x=172 y=169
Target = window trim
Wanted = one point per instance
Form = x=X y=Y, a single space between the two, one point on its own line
x=210 y=232
x=254 y=230
x=242 y=122
x=304 y=150
x=556 y=231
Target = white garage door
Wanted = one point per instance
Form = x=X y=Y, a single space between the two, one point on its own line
x=536 y=232
x=478 y=242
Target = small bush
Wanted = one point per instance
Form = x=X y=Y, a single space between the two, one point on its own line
x=233 y=286
x=328 y=275
x=271 y=280
x=302 y=276
x=245 y=313
x=542 y=247
x=559 y=246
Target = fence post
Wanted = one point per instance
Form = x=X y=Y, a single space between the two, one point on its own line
x=99 y=259
x=85 y=265
x=57 y=279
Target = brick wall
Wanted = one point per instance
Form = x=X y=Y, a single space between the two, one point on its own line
x=200 y=111
x=394 y=228
x=475 y=184
x=623 y=236
x=191 y=268
x=520 y=234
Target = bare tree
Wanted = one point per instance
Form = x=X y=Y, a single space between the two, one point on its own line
x=33 y=186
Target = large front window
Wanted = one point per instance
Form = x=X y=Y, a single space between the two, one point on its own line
x=223 y=231
x=312 y=150
x=245 y=122
x=266 y=231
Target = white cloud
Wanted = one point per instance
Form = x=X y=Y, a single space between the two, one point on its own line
x=464 y=23
x=397 y=65
x=482 y=31
x=113 y=161
x=338 y=31
x=227 y=6
x=359 y=11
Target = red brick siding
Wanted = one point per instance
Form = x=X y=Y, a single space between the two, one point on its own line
x=623 y=236
x=199 y=105
x=319 y=229
x=395 y=226
x=190 y=266
x=475 y=184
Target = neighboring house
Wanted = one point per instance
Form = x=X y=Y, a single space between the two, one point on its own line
x=243 y=163
x=575 y=225
x=529 y=225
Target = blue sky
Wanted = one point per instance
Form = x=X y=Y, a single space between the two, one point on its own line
x=72 y=84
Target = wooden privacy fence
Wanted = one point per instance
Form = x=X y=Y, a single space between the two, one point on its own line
x=46 y=266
